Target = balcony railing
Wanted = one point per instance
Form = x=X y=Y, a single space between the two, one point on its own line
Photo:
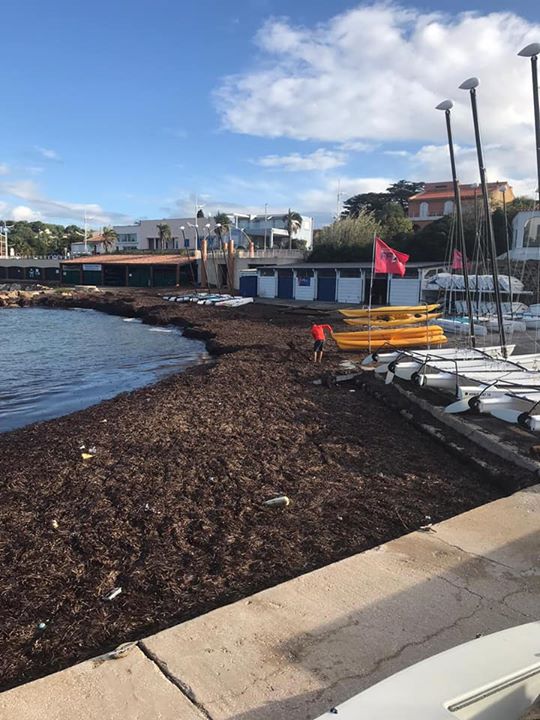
x=271 y=252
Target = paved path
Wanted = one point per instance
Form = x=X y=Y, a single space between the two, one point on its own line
x=299 y=648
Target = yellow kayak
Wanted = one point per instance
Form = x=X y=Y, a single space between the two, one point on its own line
x=393 y=311
x=391 y=332
x=378 y=343
x=411 y=320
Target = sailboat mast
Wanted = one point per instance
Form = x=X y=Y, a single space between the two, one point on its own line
x=446 y=105
x=471 y=86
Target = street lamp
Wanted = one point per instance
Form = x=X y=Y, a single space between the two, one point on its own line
x=183 y=231
x=446 y=106
x=471 y=84
x=532 y=51
x=197 y=240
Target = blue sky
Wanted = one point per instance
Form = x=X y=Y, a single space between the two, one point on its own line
x=129 y=109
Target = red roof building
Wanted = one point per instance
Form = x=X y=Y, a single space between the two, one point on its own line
x=437 y=200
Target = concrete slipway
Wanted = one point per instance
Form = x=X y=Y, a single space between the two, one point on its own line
x=298 y=649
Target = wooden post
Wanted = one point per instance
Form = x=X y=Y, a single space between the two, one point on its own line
x=151 y=276
x=177 y=274
x=230 y=264
x=251 y=249
x=127 y=274
x=204 y=257
x=81 y=274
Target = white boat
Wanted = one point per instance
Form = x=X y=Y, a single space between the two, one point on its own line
x=235 y=302
x=460 y=326
x=384 y=358
x=405 y=366
x=509 y=325
x=532 y=322
x=496 y=677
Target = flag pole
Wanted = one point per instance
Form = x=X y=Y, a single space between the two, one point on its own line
x=371 y=290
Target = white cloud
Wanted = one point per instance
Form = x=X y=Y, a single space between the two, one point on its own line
x=375 y=74
x=320 y=159
x=4 y=169
x=397 y=153
x=47 y=153
x=40 y=206
x=358 y=146
x=324 y=199
x=503 y=162
x=22 y=212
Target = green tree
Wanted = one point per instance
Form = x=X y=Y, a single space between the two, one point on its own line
x=395 y=224
x=293 y=222
x=401 y=191
x=164 y=234
x=350 y=239
x=109 y=237
x=223 y=225
x=365 y=202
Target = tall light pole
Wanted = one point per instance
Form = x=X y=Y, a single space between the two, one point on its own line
x=447 y=105
x=532 y=51
x=265 y=223
x=197 y=242
x=471 y=84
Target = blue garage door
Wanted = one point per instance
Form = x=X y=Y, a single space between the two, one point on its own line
x=248 y=286
x=285 y=284
x=326 y=285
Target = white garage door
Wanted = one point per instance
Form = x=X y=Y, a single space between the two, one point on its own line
x=267 y=286
x=404 y=291
x=350 y=287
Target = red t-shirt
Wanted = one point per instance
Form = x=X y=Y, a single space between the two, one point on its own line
x=317 y=331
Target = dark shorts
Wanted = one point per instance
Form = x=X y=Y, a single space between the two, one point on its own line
x=318 y=345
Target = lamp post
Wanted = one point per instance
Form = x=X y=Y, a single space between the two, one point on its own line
x=532 y=51
x=183 y=231
x=447 y=105
x=197 y=240
x=471 y=84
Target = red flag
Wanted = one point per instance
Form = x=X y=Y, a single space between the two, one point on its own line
x=389 y=261
x=457 y=260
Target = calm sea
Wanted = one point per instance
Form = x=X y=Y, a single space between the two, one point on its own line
x=53 y=362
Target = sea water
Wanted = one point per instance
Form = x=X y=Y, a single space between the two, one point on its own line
x=53 y=362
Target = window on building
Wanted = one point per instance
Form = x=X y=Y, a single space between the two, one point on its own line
x=424 y=209
x=266 y=272
x=448 y=207
x=531 y=235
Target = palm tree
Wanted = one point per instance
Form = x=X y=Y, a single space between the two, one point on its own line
x=293 y=222
x=164 y=234
x=223 y=225
x=108 y=238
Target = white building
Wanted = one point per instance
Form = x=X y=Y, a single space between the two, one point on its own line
x=267 y=232
x=526 y=236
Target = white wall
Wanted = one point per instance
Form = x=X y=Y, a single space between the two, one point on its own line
x=304 y=292
x=267 y=286
x=404 y=291
x=148 y=229
x=350 y=290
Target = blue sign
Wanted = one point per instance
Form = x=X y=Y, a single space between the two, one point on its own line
x=186 y=242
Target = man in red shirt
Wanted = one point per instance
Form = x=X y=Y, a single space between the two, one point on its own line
x=317 y=332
